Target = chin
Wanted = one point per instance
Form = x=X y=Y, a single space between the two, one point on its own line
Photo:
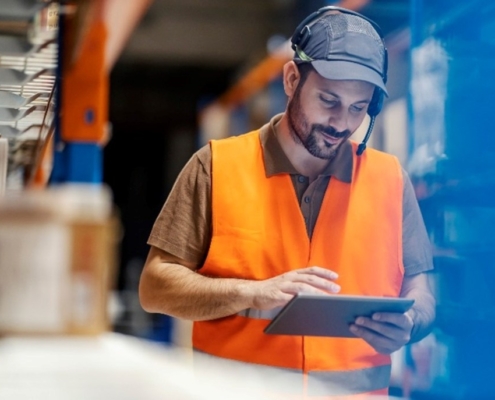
x=330 y=152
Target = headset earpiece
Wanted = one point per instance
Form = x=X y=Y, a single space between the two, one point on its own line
x=302 y=39
x=376 y=103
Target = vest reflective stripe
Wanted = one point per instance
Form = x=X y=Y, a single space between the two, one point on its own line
x=286 y=381
x=259 y=314
x=348 y=382
x=291 y=382
x=258 y=232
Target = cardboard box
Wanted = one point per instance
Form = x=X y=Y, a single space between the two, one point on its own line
x=58 y=251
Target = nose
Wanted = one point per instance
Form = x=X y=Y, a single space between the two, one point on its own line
x=339 y=119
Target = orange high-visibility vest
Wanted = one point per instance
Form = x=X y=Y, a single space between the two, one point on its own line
x=259 y=232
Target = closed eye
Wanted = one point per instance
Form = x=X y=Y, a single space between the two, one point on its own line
x=357 y=108
x=328 y=102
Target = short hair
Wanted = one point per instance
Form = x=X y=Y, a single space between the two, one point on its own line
x=304 y=70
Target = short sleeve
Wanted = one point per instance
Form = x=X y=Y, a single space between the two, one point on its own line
x=183 y=226
x=416 y=246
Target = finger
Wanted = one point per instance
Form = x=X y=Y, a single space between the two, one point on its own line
x=403 y=321
x=393 y=332
x=317 y=282
x=301 y=287
x=380 y=343
x=319 y=271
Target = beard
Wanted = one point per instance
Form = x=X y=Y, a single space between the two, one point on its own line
x=309 y=135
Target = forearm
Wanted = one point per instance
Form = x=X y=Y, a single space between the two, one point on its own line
x=177 y=291
x=422 y=313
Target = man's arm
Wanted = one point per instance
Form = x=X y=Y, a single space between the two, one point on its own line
x=169 y=285
x=388 y=332
x=172 y=286
x=422 y=313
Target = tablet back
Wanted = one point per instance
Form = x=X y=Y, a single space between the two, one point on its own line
x=330 y=315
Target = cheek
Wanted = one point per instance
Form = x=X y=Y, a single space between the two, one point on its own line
x=318 y=113
x=313 y=113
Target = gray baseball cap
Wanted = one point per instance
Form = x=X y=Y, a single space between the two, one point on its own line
x=345 y=47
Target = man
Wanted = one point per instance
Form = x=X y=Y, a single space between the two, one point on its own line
x=254 y=219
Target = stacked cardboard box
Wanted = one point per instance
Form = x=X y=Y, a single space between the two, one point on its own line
x=57 y=260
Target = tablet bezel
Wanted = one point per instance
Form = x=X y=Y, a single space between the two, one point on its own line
x=304 y=314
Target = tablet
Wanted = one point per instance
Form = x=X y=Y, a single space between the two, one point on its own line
x=330 y=315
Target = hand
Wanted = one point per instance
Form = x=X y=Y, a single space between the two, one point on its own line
x=277 y=291
x=385 y=332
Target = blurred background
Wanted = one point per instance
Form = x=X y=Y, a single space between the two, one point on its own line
x=102 y=102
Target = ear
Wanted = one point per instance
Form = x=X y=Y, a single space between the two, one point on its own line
x=291 y=78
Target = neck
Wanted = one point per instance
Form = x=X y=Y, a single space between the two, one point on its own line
x=305 y=163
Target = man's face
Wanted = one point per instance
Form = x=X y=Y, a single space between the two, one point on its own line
x=324 y=113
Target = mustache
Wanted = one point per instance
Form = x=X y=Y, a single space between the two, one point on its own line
x=330 y=130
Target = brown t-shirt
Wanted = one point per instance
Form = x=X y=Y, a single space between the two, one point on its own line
x=183 y=227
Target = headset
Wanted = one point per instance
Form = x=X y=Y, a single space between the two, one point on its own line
x=301 y=36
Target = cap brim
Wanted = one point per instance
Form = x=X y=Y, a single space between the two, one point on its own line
x=345 y=70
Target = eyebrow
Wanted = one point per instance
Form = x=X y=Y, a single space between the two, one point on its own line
x=367 y=101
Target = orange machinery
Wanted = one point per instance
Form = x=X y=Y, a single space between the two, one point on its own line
x=92 y=35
